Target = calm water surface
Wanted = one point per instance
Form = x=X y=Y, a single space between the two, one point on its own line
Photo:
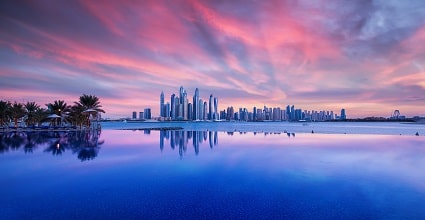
x=394 y=128
x=211 y=175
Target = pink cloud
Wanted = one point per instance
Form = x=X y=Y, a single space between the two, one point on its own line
x=272 y=53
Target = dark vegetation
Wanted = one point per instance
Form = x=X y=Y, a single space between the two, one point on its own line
x=56 y=114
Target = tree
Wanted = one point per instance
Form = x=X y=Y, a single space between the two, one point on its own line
x=5 y=112
x=76 y=117
x=60 y=108
x=31 y=110
x=17 y=111
x=40 y=115
x=90 y=103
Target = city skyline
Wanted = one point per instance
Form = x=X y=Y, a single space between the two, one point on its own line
x=364 y=57
x=179 y=108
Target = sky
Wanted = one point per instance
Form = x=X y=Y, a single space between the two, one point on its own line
x=367 y=56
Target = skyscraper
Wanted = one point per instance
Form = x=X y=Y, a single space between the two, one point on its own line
x=190 y=111
x=147 y=113
x=181 y=94
x=205 y=117
x=185 y=109
x=216 y=109
x=210 y=108
x=343 y=115
x=161 y=105
x=200 y=109
x=196 y=105
x=167 y=110
x=288 y=112
x=293 y=113
x=173 y=107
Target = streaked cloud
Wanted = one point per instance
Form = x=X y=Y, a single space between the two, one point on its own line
x=365 y=56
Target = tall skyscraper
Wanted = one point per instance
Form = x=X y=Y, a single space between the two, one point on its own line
x=196 y=105
x=185 y=108
x=343 y=115
x=181 y=94
x=200 y=109
x=167 y=110
x=205 y=111
x=216 y=116
x=173 y=107
x=161 y=105
x=190 y=111
x=210 y=108
x=293 y=113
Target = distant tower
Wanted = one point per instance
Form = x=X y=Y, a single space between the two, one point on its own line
x=196 y=105
x=343 y=115
x=288 y=113
x=200 y=109
x=210 y=108
x=181 y=94
x=161 y=104
x=205 y=116
x=167 y=110
x=216 y=109
x=173 y=107
x=292 y=112
x=185 y=109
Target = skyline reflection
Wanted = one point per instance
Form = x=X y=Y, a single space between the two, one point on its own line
x=86 y=144
x=180 y=139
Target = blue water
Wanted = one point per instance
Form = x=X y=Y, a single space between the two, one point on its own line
x=211 y=175
x=390 y=128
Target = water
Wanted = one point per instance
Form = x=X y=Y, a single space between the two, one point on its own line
x=393 y=128
x=211 y=175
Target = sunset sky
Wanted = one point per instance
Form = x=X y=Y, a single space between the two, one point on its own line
x=365 y=56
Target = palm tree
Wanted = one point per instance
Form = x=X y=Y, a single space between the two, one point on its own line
x=58 y=107
x=31 y=109
x=18 y=111
x=76 y=117
x=40 y=116
x=5 y=112
x=90 y=103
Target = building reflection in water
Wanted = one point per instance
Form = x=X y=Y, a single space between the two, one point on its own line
x=83 y=143
x=180 y=139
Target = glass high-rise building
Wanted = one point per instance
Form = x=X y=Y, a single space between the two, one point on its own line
x=343 y=115
x=196 y=105
x=216 y=116
x=161 y=105
x=210 y=108
x=173 y=107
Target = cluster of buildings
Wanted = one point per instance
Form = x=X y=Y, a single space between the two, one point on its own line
x=179 y=108
x=145 y=115
x=290 y=113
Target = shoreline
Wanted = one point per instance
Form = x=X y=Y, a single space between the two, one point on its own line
x=6 y=130
x=313 y=128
